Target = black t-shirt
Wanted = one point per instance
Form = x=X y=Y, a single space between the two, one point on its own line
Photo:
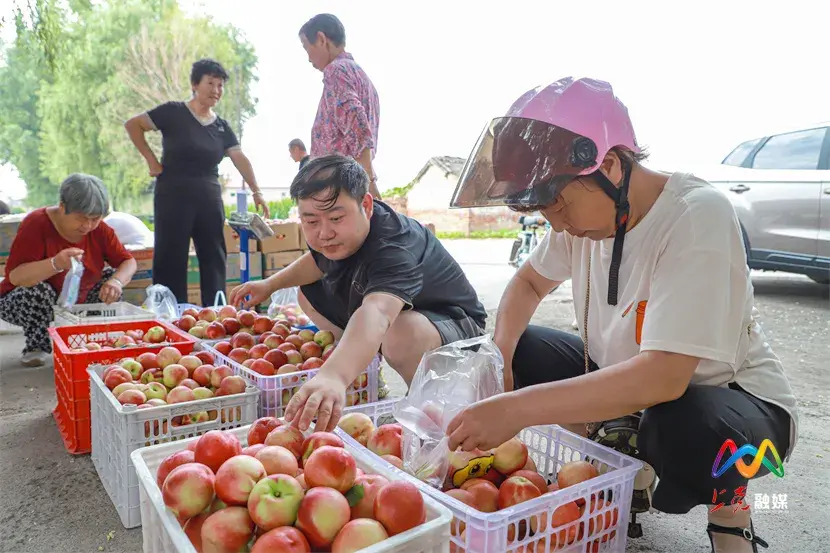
x=190 y=148
x=403 y=258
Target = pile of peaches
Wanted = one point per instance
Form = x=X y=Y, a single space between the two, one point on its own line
x=489 y=481
x=215 y=323
x=282 y=492
x=168 y=377
x=155 y=336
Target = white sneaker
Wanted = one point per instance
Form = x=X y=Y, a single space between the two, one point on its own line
x=33 y=359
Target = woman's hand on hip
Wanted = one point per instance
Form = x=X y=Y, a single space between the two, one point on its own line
x=155 y=167
x=259 y=291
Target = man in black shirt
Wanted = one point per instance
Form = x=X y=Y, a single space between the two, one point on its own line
x=296 y=148
x=375 y=278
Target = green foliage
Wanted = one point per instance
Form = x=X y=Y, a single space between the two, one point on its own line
x=116 y=59
x=478 y=234
x=399 y=191
x=278 y=209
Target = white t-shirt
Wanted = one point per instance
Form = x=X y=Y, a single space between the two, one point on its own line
x=684 y=266
x=130 y=230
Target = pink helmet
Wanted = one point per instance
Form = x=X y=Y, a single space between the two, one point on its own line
x=549 y=136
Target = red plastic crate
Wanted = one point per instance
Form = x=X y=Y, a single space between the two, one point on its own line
x=72 y=412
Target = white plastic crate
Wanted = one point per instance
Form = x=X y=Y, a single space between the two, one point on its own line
x=162 y=533
x=278 y=389
x=97 y=313
x=550 y=447
x=118 y=430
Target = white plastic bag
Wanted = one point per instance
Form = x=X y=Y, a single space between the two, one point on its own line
x=285 y=307
x=161 y=301
x=448 y=379
x=71 y=284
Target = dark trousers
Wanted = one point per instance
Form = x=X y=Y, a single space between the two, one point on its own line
x=31 y=308
x=184 y=210
x=679 y=438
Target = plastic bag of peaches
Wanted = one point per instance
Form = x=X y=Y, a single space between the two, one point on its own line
x=284 y=306
x=448 y=379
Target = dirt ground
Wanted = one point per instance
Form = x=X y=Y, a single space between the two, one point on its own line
x=54 y=502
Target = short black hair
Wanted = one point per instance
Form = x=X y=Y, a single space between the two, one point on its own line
x=334 y=173
x=207 y=66
x=297 y=143
x=4 y=209
x=327 y=24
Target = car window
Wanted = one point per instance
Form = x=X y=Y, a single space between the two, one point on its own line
x=738 y=155
x=795 y=150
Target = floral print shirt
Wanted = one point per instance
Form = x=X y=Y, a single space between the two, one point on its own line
x=349 y=112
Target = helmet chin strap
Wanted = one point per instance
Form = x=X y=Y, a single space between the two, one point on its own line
x=620 y=197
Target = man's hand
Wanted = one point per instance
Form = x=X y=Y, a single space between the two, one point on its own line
x=63 y=260
x=259 y=201
x=322 y=396
x=154 y=167
x=483 y=425
x=259 y=290
x=110 y=291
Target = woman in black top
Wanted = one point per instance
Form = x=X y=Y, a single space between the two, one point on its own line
x=188 y=197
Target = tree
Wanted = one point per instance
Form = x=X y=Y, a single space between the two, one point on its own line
x=116 y=59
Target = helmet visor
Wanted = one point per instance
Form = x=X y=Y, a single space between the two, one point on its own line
x=519 y=161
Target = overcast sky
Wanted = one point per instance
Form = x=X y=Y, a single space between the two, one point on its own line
x=697 y=78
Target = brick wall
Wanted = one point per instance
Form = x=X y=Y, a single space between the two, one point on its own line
x=492 y=218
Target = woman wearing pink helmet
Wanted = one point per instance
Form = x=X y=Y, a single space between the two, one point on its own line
x=663 y=297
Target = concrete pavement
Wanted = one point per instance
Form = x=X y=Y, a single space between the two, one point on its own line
x=52 y=501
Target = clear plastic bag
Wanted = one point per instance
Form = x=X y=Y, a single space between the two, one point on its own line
x=161 y=301
x=71 y=284
x=284 y=306
x=448 y=379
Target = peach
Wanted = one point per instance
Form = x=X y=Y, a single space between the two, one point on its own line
x=172 y=461
x=227 y=312
x=206 y=314
x=188 y=489
x=215 y=447
x=201 y=392
x=223 y=347
x=359 y=534
x=465 y=497
x=123 y=387
x=215 y=331
x=243 y=340
x=386 y=440
x=133 y=397
x=173 y=375
x=515 y=490
x=232 y=326
x=296 y=340
x=227 y=531
x=218 y=374
x=260 y=428
x=494 y=476
x=574 y=472
x=311 y=363
x=262 y=324
x=246 y=317
x=272 y=340
x=531 y=464
x=285 y=347
x=399 y=506
x=180 y=394
x=154 y=335
x=332 y=467
x=370 y=485
x=281 y=330
x=324 y=338
x=357 y=425
x=205 y=357
x=191 y=363
x=392 y=460
x=275 y=500
x=116 y=376
x=276 y=357
x=288 y=437
x=202 y=374
x=193 y=529
x=485 y=493
x=156 y=390
x=168 y=356
x=318 y=439
x=148 y=360
x=237 y=477
x=510 y=456
x=134 y=367
x=322 y=514
x=238 y=355
x=285 y=539
x=278 y=460
x=301 y=480
x=258 y=351
x=294 y=357
x=152 y=375
x=310 y=349
x=190 y=383
x=231 y=385
x=263 y=367
x=186 y=322
x=534 y=477
x=252 y=450
x=566 y=515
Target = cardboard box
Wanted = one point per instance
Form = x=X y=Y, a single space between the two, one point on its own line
x=194 y=296
x=135 y=296
x=286 y=237
x=279 y=260
x=232 y=240
x=143 y=276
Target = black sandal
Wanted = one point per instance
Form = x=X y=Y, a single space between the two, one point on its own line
x=747 y=533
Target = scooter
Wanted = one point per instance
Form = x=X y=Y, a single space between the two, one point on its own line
x=527 y=239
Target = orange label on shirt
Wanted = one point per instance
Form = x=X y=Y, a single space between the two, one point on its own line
x=641 y=316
